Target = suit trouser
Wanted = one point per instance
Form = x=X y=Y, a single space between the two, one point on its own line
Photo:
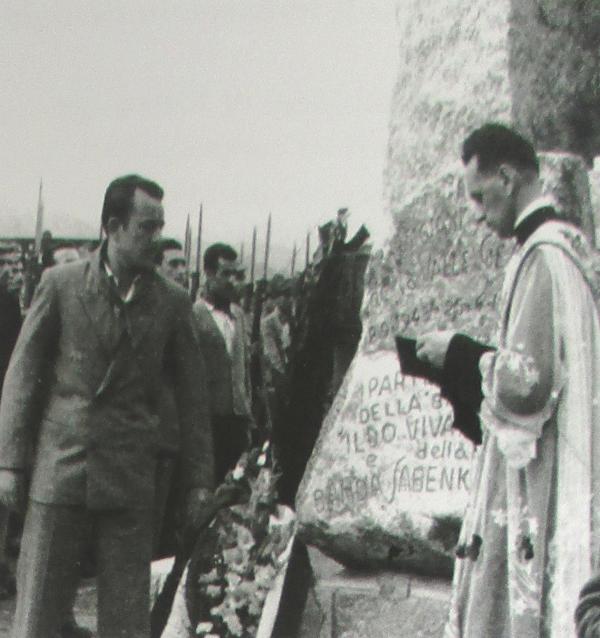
x=55 y=538
x=163 y=491
x=231 y=437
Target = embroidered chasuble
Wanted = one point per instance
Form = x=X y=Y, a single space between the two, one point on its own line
x=530 y=535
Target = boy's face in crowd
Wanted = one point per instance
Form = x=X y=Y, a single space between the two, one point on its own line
x=173 y=266
x=221 y=284
x=11 y=270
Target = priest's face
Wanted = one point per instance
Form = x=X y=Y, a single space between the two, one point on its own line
x=494 y=195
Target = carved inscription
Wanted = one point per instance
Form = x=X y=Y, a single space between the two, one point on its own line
x=395 y=442
x=441 y=270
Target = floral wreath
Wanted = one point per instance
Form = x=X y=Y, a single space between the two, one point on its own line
x=236 y=559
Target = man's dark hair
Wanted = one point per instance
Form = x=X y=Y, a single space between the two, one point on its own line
x=166 y=244
x=494 y=144
x=119 y=196
x=215 y=252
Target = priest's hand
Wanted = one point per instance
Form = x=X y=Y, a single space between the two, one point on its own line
x=432 y=347
x=12 y=489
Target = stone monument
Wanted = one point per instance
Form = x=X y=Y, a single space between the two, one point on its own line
x=594 y=176
x=388 y=478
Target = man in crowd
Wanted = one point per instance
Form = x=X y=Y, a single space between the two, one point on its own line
x=172 y=265
x=172 y=262
x=526 y=545
x=223 y=338
x=79 y=411
x=11 y=279
x=275 y=342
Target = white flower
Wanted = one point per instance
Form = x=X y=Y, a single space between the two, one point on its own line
x=500 y=517
x=262 y=459
x=208 y=578
x=212 y=591
x=204 y=627
x=238 y=472
x=233 y=580
x=233 y=556
x=265 y=446
x=245 y=540
x=233 y=623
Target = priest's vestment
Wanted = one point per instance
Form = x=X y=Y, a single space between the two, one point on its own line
x=530 y=536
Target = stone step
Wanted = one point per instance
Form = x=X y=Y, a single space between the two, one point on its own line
x=347 y=604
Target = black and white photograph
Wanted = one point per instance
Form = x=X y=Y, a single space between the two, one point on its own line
x=300 y=319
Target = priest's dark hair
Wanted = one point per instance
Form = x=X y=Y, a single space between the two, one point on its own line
x=494 y=144
x=215 y=252
x=119 y=196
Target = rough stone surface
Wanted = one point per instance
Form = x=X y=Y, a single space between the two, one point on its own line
x=594 y=177
x=554 y=71
x=566 y=178
x=347 y=604
x=360 y=616
x=388 y=478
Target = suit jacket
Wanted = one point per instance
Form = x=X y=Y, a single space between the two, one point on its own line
x=83 y=390
x=228 y=376
x=273 y=347
x=10 y=325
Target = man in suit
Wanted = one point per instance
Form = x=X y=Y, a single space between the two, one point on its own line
x=80 y=411
x=275 y=345
x=171 y=263
x=11 y=277
x=223 y=338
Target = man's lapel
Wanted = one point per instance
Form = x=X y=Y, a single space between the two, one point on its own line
x=211 y=326
x=95 y=299
x=143 y=310
x=140 y=314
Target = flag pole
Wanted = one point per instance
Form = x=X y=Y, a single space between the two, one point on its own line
x=197 y=274
x=253 y=261
x=267 y=248
x=187 y=243
x=199 y=240
x=39 y=222
x=307 y=256
x=293 y=268
x=187 y=248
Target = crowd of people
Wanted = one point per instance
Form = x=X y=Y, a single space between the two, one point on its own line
x=126 y=401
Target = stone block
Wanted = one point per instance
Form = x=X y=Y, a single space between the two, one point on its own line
x=362 y=616
x=594 y=177
x=387 y=482
x=566 y=178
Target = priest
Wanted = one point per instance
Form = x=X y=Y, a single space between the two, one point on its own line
x=530 y=535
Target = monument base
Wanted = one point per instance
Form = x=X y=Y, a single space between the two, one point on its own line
x=348 y=604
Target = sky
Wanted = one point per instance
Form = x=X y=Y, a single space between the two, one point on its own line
x=249 y=106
